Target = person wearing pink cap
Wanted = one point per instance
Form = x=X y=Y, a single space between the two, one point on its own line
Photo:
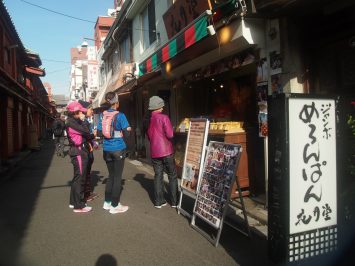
x=78 y=136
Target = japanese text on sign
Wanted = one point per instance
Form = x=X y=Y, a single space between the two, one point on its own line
x=312 y=164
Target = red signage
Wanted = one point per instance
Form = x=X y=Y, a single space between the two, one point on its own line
x=181 y=13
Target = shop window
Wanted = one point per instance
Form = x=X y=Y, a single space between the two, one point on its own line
x=148 y=25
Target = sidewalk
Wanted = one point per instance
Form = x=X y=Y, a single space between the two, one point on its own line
x=256 y=212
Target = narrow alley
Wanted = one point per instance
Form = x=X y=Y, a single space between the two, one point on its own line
x=38 y=228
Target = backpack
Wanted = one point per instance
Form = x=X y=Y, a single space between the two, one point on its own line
x=58 y=129
x=109 y=125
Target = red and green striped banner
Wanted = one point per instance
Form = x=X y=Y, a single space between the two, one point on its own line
x=190 y=36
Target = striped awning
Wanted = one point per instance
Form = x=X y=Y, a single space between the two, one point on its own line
x=186 y=38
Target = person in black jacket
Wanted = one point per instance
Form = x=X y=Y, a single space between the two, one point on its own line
x=79 y=136
x=88 y=189
x=58 y=129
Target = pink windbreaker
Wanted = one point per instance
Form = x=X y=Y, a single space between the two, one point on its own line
x=160 y=134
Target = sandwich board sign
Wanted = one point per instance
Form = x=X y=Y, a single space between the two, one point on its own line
x=194 y=158
x=214 y=188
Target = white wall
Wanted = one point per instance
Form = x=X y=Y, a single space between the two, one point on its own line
x=138 y=54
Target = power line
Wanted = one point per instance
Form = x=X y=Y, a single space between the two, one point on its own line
x=56 y=12
x=57 y=70
x=56 y=61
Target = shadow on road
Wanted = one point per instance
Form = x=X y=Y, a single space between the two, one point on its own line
x=95 y=178
x=106 y=260
x=147 y=184
x=18 y=196
x=246 y=251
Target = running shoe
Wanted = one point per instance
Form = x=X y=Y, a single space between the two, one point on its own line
x=83 y=210
x=107 y=205
x=158 y=206
x=119 y=209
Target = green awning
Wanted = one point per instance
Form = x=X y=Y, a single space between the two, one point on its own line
x=191 y=35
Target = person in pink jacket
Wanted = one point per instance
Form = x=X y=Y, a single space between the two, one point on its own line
x=78 y=137
x=160 y=134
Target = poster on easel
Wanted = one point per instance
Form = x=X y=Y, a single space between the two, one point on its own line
x=194 y=154
x=216 y=182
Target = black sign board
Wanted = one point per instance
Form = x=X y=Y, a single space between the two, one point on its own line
x=216 y=182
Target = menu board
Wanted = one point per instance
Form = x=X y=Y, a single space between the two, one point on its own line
x=216 y=181
x=194 y=154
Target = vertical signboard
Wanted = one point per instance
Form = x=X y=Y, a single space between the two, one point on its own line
x=303 y=178
x=313 y=178
x=194 y=154
x=93 y=75
x=313 y=184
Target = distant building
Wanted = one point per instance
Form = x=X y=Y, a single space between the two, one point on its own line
x=84 y=83
x=83 y=74
x=60 y=102
x=102 y=27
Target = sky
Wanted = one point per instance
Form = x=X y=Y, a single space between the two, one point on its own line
x=52 y=35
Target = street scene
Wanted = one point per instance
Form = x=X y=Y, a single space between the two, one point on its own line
x=38 y=228
x=177 y=132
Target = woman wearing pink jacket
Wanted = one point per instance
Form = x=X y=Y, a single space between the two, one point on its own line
x=78 y=137
x=160 y=134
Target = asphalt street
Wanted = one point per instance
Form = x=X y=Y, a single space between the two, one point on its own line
x=38 y=228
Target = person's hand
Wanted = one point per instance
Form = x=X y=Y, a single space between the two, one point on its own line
x=129 y=129
x=82 y=116
x=96 y=145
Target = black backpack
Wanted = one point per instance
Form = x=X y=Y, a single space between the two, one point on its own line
x=58 y=129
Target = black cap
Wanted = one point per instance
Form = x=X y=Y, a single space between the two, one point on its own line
x=85 y=104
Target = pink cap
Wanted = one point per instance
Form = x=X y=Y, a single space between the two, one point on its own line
x=75 y=106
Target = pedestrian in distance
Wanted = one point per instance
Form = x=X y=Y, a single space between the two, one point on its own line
x=58 y=128
x=114 y=127
x=92 y=144
x=78 y=137
x=160 y=134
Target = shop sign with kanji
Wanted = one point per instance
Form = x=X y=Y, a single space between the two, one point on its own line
x=313 y=175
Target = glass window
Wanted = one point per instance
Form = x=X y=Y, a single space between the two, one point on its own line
x=148 y=25
x=125 y=51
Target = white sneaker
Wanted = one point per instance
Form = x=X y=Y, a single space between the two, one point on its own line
x=119 y=209
x=71 y=206
x=161 y=205
x=85 y=209
x=107 y=205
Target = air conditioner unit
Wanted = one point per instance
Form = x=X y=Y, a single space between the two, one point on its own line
x=135 y=69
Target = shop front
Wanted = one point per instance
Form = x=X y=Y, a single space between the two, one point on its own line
x=224 y=89
x=216 y=78
x=225 y=93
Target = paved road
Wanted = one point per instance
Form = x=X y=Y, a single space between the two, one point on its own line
x=38 y=228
